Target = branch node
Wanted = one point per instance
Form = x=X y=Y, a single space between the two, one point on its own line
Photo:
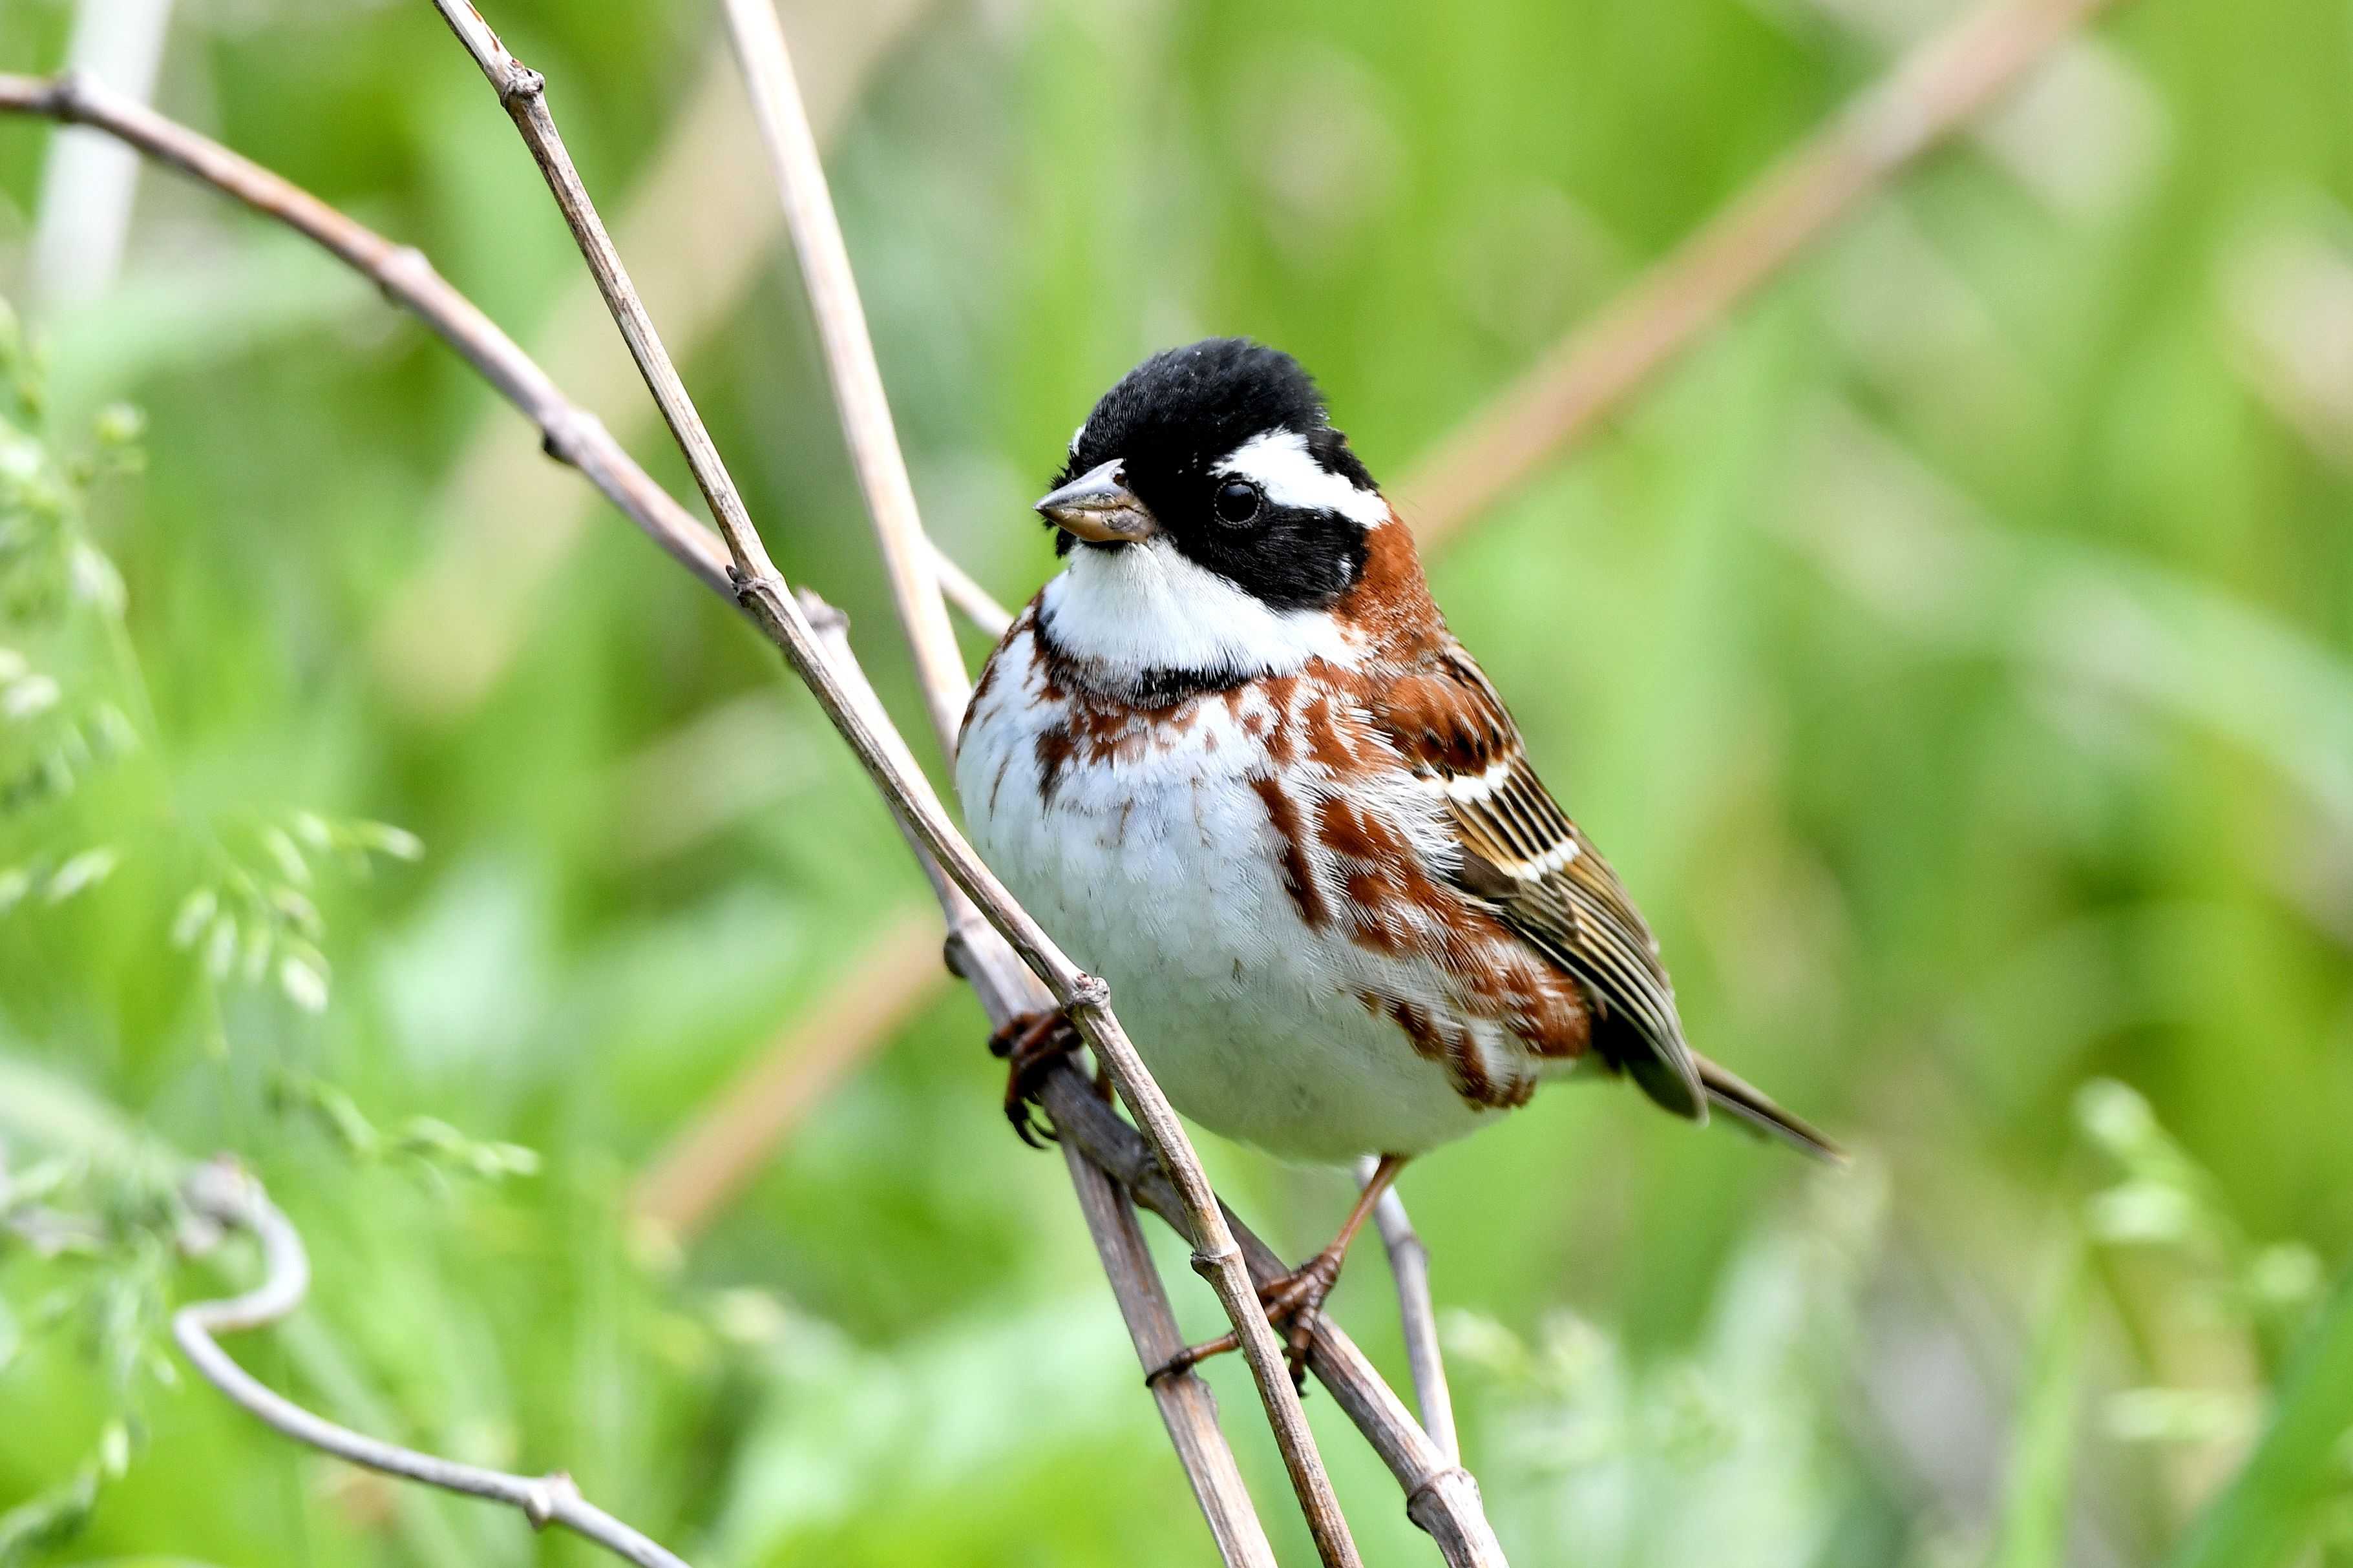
x=69 y=93
x=519 y=83
x=571 y=435
x=404 y=272
x=1089 y=991
x=547 y=1496
x=824 y=617
x=1426 y=1494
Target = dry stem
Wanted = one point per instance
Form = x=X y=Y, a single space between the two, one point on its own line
x=1409 y=1267
x=1007 y=990
x=225 y=1194
x=1927 y=95
x=1084 y=997
x=850 y=367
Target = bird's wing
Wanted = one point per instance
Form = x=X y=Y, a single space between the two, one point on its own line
x=1528 y=862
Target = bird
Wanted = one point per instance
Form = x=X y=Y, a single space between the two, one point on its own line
x=1232 y=758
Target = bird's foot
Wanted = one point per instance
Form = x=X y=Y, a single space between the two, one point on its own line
x=1030 y=1043
x=1293 y=1303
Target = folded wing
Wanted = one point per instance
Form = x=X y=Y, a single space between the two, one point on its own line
x=1528 y=862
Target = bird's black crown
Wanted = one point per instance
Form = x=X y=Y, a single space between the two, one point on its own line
x=1173 y=417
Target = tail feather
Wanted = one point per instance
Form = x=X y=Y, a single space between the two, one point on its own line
x=1727 y=1091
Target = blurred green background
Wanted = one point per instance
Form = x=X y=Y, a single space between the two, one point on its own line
x=1955 y=653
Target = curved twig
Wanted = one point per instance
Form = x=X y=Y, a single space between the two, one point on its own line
x=568 y=432
x=223 y=1193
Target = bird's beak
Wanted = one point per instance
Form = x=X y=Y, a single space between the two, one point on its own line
x=1099 y=506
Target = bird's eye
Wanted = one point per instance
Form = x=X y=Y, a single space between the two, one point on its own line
x=1237 y=501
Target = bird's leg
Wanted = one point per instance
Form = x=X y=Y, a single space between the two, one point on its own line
x=1296 y=1300
x=1029 y=1042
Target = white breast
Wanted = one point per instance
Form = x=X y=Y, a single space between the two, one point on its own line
x=1151 y=855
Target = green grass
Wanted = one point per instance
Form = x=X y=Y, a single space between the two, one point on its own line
x=1955 y=653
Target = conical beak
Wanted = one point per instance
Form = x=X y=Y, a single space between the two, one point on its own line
x=1099 y=506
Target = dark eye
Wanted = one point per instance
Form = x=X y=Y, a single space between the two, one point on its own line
x=1237 y=501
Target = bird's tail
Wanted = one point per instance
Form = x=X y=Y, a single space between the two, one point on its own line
x=1727 y=1091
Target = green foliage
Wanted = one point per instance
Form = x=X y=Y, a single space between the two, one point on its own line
x=2301 y=1472
x=1955 y=655
x=87 y=1247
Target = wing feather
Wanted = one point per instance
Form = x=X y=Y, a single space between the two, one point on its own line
x=1528 y=862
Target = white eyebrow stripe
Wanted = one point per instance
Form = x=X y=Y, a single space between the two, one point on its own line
x=1078 y=436
x=1279 y=463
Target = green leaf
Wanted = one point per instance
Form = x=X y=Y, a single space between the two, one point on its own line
x=2268 y=1509
x=2032 y=1532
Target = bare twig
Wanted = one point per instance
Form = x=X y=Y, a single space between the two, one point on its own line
x=919 y=571
x=1006 y=990
x=1443 y=1498
x=1187 y=1406
x=1931 y=92
x=226 y=1196
x=857 y=379
x=699 y=229
x=1440 y=1495
x=1084 y=997
x=569 y=434
x=1409 y=1267
x=711 y=1158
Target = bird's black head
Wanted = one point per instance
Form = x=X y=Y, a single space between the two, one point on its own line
x=1223 y=452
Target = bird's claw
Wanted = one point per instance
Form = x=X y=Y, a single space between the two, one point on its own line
x=1293 y=1303
x=1029 y=1043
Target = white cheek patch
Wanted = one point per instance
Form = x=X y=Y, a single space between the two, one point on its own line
x=1145 y=607
x=1287 y=474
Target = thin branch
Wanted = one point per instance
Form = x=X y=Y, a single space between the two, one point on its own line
x=522 y=93
x=857 y=379
x=1409 y=1267
x=223 y=1193
x=1440 y=1495
x=1187 y=1409
x=1086 y=998
x=1007 y=990
x=1443 y=1498
x=1930 y=93
x=699 y=231
x=569 y=434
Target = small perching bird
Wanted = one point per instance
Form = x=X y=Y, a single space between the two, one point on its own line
x=1233 y=759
